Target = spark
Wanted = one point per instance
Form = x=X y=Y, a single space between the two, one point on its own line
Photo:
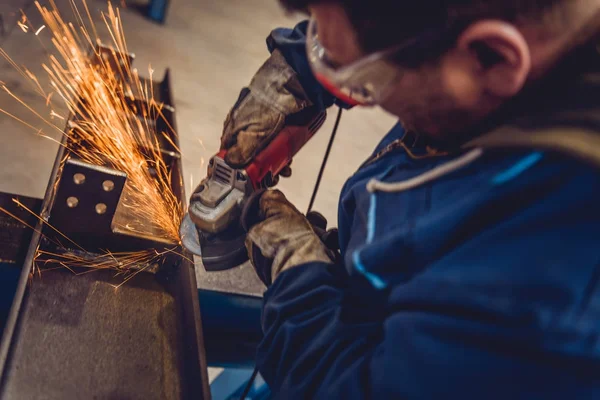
x=116 y=117
x=53 y=115
x=21 y=71
x=23 y=206
x=2 y=209
x=23 y=27
x=17 y=119
x=101 y=94
x=23 y=23
x=124 y=263
x=29 y=108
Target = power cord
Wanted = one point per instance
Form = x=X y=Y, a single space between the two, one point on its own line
x=325 y=159
x=249 y=384
x=310 y=206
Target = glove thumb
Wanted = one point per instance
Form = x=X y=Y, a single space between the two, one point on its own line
x=251 y=214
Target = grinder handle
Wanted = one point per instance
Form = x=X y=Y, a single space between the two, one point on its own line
x=269 y=162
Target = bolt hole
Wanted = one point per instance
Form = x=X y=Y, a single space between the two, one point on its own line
x=100 y=208
x=79 y=179
x=108 y=185
x=72 y=202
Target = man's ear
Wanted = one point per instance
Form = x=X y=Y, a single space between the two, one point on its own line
x=499 y=55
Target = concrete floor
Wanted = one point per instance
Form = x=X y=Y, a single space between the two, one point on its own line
x=212 y=47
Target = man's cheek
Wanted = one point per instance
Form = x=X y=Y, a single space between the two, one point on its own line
x=461 y=87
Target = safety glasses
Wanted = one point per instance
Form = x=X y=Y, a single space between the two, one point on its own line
x=367 y=81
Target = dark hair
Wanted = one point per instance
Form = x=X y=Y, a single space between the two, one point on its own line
x=384 y=23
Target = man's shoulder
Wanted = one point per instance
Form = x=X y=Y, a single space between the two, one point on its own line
x=519 y=247
x=503 y=210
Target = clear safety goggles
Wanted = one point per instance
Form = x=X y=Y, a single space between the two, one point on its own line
x=367 y=81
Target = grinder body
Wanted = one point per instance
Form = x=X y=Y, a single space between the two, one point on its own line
x=212 y=227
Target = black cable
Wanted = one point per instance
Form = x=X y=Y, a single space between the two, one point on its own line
x=325 y=159
x=249 y=384
x=310 y=206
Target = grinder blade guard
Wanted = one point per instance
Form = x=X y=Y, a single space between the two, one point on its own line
x=219 y=252
x=212 y=228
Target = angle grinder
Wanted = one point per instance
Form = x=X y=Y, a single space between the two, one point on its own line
x=212 y=228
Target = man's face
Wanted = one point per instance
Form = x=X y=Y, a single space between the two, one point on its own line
x=440 y=99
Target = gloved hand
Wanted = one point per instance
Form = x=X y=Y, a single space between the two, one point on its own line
x=279 y=236
x=260 y=112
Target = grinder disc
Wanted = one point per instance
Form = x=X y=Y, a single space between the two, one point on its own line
x=189 y=236
x=218 y=252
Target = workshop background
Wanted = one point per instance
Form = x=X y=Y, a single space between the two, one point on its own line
x=212 y=47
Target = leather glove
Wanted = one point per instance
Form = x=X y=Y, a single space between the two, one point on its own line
x=261 y=110
x=279 y=236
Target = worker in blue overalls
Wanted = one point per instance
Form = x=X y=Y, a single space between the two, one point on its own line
x=469 y=260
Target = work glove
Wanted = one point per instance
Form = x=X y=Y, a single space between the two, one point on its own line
x=279 y=236
x=261 y=110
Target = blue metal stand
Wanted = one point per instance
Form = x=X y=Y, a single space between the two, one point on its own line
x=232 y=328
x=9 y=278
x=232 y=332
x=157 y=10
x=232 y=382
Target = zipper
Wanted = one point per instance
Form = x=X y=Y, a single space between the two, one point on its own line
x=399 y=143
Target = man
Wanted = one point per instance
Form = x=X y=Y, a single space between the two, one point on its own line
x=470 y=240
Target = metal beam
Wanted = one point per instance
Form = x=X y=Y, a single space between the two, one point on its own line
x=74 y=336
